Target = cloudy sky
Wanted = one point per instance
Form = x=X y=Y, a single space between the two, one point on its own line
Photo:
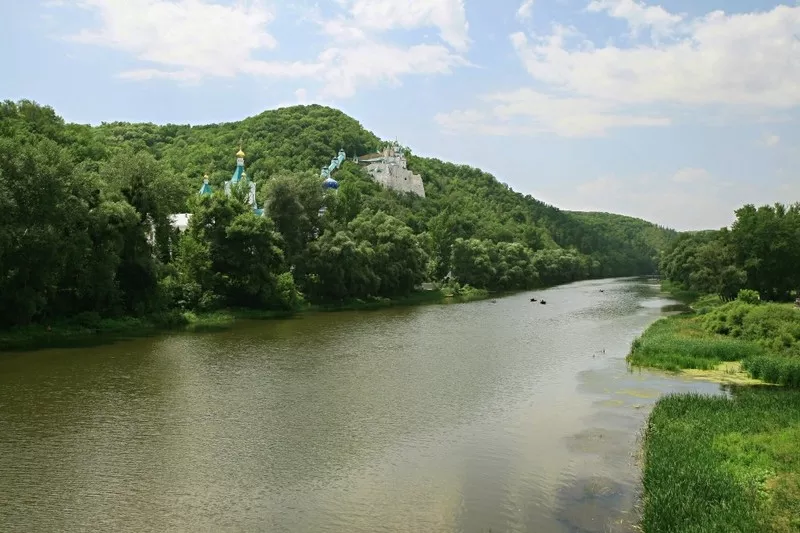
x=677 y=112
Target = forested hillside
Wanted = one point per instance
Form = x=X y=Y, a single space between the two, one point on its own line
x=78 y=205
x=760 y=252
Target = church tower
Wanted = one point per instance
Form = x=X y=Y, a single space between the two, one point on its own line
x=240 y=177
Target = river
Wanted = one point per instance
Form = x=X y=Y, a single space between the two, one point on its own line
x=488 y=416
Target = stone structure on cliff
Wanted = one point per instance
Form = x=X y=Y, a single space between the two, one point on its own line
x=388 y=168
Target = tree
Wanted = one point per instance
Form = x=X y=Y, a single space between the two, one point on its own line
x=292 y=201
x=340 y=268
x=398 y=260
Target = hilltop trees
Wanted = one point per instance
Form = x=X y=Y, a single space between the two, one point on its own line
x=84 y=221
x=761 y=252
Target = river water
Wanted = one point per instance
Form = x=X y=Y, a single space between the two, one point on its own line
x=488 y=416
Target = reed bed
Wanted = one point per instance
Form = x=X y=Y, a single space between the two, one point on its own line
x=716 y=464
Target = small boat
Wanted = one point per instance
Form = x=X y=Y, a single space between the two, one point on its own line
x=542 y=302
x=533 y=299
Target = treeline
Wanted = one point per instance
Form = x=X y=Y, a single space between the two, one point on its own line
x=84 y=221
x=760 y=252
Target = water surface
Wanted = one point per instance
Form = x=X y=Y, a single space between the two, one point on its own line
x=488 y=416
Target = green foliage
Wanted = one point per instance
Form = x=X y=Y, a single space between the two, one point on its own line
x=85 y=228
x=760 y=252
x=771 y=369
x=680 y=342
x=748 y=296
x=713 y=464
x=706 y=303
x=774 y=326
x=765 y=337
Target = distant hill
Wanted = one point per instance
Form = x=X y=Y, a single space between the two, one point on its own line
x=466 y=201
x=645 y=236
x=470 y=224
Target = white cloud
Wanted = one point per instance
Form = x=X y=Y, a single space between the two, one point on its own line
x=638 y=15
x=357 y=56
x=190 y=40
x=184 y=39
x=744 y=59
x=341 y=30
x=771 y=140
x=372 y=63
x=448 y=16
x=691 y=175
x=568 y=117
x=476 y=122
x=525 y=10
x=748 y=64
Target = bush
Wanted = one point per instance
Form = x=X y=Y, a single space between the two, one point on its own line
x=727 y=319
x=210 y=301
x=706 y=303
x=748 y=296
x=170 y=319
x=289 y=296
x=774 y=326
x=681 y=342
x=87 y=319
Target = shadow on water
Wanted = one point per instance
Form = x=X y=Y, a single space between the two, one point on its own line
x=604 y=496
x=503 y=416
x=595 y=505
x=676 y=308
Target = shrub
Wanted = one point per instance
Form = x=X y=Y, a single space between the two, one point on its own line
x=748 y=296
x=87 y=319
x=289 y=297
x=170 y=319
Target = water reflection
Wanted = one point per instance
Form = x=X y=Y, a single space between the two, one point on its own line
x=506 y=416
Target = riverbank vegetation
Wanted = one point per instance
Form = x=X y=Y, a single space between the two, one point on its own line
x=85 y=233
x=764 y=337
x=717 y=464
x=760 y=252
x=90 y=328
x=728 y=463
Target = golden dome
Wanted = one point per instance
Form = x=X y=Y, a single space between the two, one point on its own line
x=240 y=153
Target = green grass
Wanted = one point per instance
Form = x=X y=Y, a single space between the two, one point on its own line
x=717 y=464
x=89 y=329
x=714 y=464
x=680 y=342
x=764 y=337
x=775 y=369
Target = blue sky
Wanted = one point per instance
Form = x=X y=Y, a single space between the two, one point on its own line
x=677 y=112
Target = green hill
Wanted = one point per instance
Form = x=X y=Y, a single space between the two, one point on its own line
x=78 y=203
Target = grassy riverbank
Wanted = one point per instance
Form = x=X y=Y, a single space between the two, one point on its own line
x=717 y=464
x=90 y=329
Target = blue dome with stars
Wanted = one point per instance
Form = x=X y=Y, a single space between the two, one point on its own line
x=330 y=183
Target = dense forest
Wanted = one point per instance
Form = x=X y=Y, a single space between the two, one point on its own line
x=760 y=252
x=84 y=221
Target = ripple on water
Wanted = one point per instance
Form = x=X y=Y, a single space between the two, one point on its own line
x=505 y=417
x=595 y=504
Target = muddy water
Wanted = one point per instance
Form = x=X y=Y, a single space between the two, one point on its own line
x=489 y=416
